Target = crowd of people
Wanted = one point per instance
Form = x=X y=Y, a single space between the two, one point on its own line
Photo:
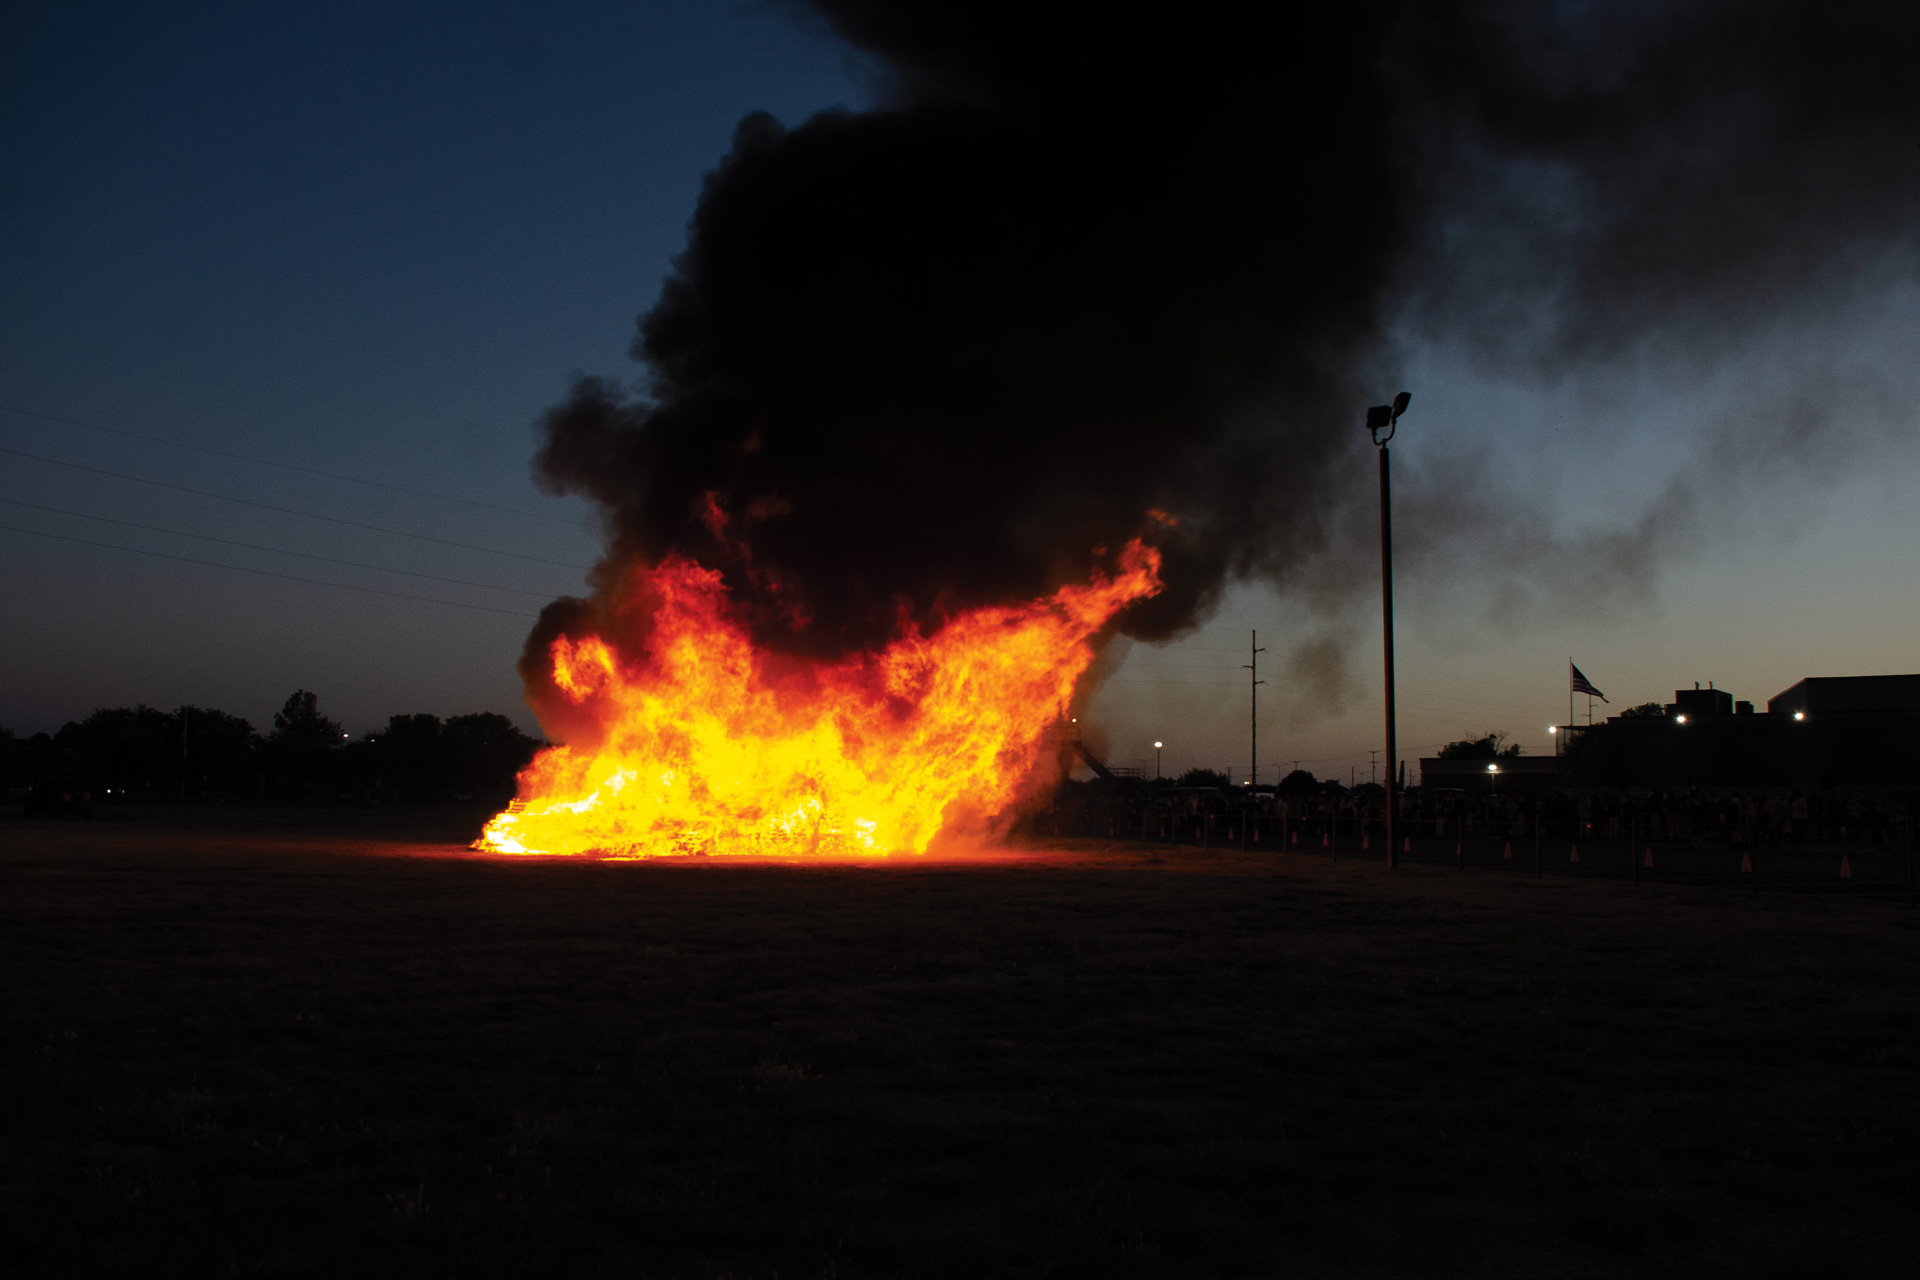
x=1338 y=818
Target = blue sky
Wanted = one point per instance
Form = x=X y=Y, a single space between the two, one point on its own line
x=377 y=241
x=359 y=239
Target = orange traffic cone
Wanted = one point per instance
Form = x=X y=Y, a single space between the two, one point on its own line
x=1323 y=839
x=1408 y=846
x=1507 y=851
x=1746 y=863
x=1846 y=872
x=1256 y=835
x=1649 y=861
x=1575 y=855
x=1366 y=841
x=1296 y=837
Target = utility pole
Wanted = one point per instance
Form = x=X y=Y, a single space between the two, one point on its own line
x=1253 y=701
x=1373 y=767
x=1386 y=418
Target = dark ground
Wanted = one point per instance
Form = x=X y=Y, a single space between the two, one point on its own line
x=251 y=1044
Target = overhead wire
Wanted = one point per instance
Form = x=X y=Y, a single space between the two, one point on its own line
x=1403 y=690
x=1241 y=683
x=279 y=551
x=267 y=573
x=284 y=466
x=292 y=511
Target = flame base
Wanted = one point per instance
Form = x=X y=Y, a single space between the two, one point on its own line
x=707 y=745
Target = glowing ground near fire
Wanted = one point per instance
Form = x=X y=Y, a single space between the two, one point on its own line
x=704 y=744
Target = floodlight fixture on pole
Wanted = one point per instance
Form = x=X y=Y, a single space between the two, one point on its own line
x=1386 y=417
x=1156 y=761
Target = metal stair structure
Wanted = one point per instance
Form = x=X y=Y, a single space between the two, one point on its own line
x=1112 y=773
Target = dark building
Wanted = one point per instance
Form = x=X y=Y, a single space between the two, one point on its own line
x=1521 y=776
x=1697 y=703
x=1849 y=695
x=1848 y=731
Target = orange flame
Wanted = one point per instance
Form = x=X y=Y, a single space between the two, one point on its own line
x=708 y=745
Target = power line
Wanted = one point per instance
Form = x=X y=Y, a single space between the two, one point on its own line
x=284 y=466
x=1223 y=684
x=1405 y=691
x=266 y=573
x=254 y=546
x=292 y=511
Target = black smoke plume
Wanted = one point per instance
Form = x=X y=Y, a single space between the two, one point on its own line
x=1087 y=262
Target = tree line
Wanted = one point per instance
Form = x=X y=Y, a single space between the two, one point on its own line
x=143 y=753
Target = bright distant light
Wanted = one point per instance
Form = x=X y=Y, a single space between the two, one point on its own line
x=1493 y=768
x=1681 y=719
x=1156 y=746
x=1553 y=728
x=1799 y=715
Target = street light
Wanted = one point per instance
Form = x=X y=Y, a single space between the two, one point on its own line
x=1156 y=761
x=1386 y=417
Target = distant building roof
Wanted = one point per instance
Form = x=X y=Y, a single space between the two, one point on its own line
x=1826 y=695
x=1824 y=750
x=1516 y=775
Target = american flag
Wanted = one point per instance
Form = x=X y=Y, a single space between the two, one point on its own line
x=1580 y=684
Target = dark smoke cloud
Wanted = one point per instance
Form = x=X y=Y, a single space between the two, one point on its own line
x=1598 y=171
x=1085 y=262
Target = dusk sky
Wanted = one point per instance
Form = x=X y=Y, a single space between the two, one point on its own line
x=286 y=289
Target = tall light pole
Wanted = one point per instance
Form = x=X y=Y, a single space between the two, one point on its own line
x=1253 y=695
x=1156 y=761
x=1383 y=417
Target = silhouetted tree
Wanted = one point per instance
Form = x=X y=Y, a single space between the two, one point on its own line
x=1299 y=783
x=300 y=721
x=133 y=750
x=406 y=757
x=1646 y=709
x=1485 y=747
x=484 y=752
x=144 y=752
x=303 y=742
x=420 y=757
x=1201 y=778
x=222 y=752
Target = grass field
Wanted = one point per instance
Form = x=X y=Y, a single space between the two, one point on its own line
x=333 y=1044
